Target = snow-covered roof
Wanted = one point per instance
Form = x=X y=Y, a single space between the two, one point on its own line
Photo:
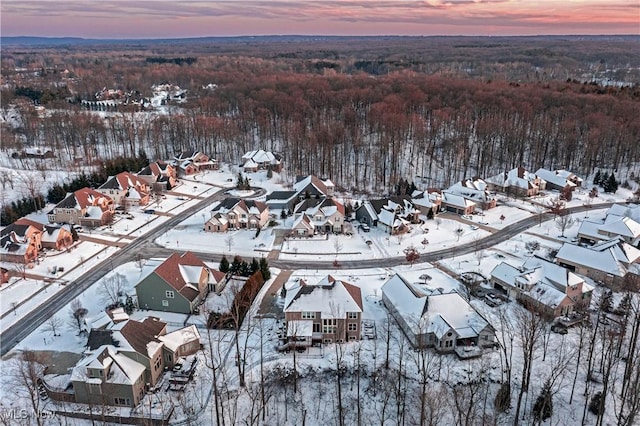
x=261 y=156
x=625 y=210
x=456 y=200
x=518 y=177
x=386 y=217
x=122 y=369
x=333 y=298
x=613 y=257
x=624 y=226
x=250 y=164
x=435 y=313
x=180 y=337
x=590 y=229
x=557 y=177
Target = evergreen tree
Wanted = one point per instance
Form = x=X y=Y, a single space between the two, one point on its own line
x=129 y=307
x=240 y=181
x=264 y=269
x=283 y=214
x=245 y=269
x=543 y=407
x=269 y=173
x=236 y=265
x=606 y=302
x=612 y=183
x=597 y=179
x=255 y=266
x=74 y=234
x=224 y=264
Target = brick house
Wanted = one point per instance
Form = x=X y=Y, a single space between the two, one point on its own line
x=85 y=207
x=159 y=175
x=127 y=190
x=235 y=213
x=329 y=311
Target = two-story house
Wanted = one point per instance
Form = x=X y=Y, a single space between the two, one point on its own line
x=313 y=187
x=542 y=286
x=518 y=182
x=159 y=175
x=127 y=190
x=21 y=242
x=474 y=190
x=177 y=284
x=329 y=311
x=561 y=180
x=191 y=162
x=235 y=213
x=325 y=214
x=392 y=214
x=84 y=207
x=108 y=377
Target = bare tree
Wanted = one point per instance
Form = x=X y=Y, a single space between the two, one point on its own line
x=459 y=232
x=26 y=372
x=563 y=222
x=229 y=242
x=112 y=288
x=529 y=328
x=53 y=324
x=77 y=314
x=337 y=245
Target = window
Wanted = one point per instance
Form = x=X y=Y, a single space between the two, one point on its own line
x=448 y=343
x=352 y=315
x=327 y=340
x=329 y=326
x=353 y=326
x=169 y=294
x=352 y=337
x=94 y=388
x=121 y=401
x=165 y=303
x=316 y=327
x=308 y=315
x=157 y=363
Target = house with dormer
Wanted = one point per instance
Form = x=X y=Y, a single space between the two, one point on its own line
x=432 y=319
x=329 y=311
x=236 y=213
x=325 y=214
x=127 y=190
x=620 y=221
x=542 y=286
x=177 y=284
x=517 y=182
x=474 y=190
x=84 y=207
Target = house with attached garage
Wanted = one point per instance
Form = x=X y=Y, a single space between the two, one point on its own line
x=620 y=221
x=326 y=214
x=178 y=284
x=84 y=207
x=21 y=242
x=329 y=311
x=457 y=203
x=191 y=162
x=517 y=182
x=429 y=202
x=236 y=213
x=431 y=319
x=180 y=343
x=612 y=262
x=542 y=286
x=159 y=175
x=393 y=214
x=474 y=190
x=282 y=200
x=562 y=180
x=302 y=227
x=127 y=190
x=260 y=159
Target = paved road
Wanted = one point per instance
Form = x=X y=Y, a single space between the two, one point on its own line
x=145 y=248
x=32 y=320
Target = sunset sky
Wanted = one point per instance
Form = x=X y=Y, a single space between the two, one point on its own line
x=168 y=19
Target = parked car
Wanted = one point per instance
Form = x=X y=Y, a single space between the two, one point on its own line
x=467 y=217
x=559 y=328
x=365 y=227
x=149 y=211
x=474 y=228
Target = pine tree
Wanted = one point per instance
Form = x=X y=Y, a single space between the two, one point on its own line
x=264 y=269
x=269 y=173
x=236 y=266
x=597 y=179
x=606 y=302
x=255 y=266
x=224 y=264
x=543 y=408
x=129 y=307
x=612 y=183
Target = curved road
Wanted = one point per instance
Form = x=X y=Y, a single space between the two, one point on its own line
x=145 y=247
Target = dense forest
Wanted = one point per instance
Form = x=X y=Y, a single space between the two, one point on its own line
x=363 y=116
